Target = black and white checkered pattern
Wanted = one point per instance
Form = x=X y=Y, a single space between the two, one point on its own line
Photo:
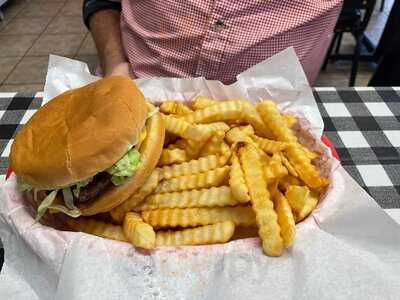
x=362 y=123
x=364 y=126
x=15 y=110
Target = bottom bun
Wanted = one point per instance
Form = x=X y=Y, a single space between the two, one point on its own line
x=55 y=220
x=150 y=152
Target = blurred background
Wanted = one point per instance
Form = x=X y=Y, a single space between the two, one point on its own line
x=32 y=29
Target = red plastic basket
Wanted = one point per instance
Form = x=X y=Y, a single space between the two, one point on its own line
x=327 y=142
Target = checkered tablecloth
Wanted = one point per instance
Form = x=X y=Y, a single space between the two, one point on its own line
x=363 y=124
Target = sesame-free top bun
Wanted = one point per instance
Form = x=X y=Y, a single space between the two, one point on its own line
x=79 y=133
x=150 y=152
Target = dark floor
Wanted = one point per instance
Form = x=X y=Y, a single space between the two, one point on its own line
x=33 y=29
x=337 y=74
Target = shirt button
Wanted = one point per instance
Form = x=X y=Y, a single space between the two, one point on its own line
x=218 y=26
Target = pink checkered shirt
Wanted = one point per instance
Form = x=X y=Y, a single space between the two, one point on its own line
x=221 y=38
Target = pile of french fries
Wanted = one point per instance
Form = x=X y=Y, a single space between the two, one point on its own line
x=228 y=170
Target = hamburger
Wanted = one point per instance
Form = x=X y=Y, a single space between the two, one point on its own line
x=89 y=149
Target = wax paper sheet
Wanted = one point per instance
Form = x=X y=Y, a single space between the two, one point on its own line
x=348 y=248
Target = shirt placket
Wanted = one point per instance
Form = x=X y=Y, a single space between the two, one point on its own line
x=214 y=43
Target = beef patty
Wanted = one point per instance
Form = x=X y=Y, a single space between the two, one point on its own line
x=99 y=183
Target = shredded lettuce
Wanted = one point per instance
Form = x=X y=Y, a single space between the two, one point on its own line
x=68 y=198
x=125 y=167
x=129 y=163
x=73 y=213
x=47 y=203
x=80 y=184
x=117 y=180
x=35 y=195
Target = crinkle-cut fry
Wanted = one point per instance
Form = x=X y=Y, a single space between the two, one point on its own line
x=216 y=145
x=194 y=166
x=237 y=182
x=287 y=164
x=190 y=217
x=279 y=168
x=216 y=127
x=268 y=145
x=266 y=217
x=264 y=157
x=273 y=187
x=301 y=200
x=233 y=111
x=175 y=108
x=268 y=173
x=252 y=117
x=290 y=120
x=201 y=132
x=223 y=159
x=118 y=213
x=225 y=150
x=139 y=233
x=235 y=135
x=212 y=197
x=274 y=169
x=201 y=102
x=285 y=219
x=216 y=177
x=297 y=196
x=104 y=230
x=197 y=133
x=192 y=147
x=222 y=111
x=208 y=234
x=175 y=125
x=311 y=203
x=247 y=129
x=172 y=156
x=289 y=180
x=304 y=168
x=310 y=154
x=212 y=146
x=275 y=122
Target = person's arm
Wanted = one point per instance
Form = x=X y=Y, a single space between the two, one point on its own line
x=106 y=32
x=104 y=25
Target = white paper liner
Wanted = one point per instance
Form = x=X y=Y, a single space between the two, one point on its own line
x=348 y=248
